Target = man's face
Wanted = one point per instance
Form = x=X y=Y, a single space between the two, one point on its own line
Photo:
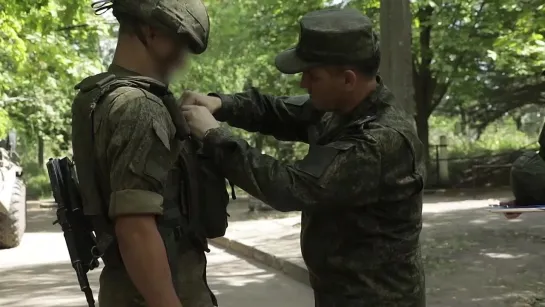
x=171 y=54
x=326 y=87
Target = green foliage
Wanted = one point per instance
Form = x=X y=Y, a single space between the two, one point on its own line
x=37 y=181
x=476 y=62
x=47 y=47
x=497 y=137
x=4 y=123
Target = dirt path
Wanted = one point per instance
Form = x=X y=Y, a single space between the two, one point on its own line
x=472 y=257
x=475 y=258
x=38 y=274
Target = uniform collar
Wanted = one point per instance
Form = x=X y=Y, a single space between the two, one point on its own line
x=368 y=106
x=365 y=110
x=121 y=72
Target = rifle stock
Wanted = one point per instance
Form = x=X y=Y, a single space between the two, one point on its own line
x=77 y=228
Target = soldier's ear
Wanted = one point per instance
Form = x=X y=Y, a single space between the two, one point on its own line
x=149 y=32
x=350 y=79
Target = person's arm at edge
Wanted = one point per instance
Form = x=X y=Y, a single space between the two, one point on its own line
x=135 y=201
x=284 y=117
x=144 y=255
x=302 y=185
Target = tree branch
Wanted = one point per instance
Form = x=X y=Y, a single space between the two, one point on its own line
x=507 y=100
x=443 y=87
x=72 y=27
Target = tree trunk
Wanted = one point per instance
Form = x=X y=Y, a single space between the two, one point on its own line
x=396 y=52
x=423 y=129
x=424 y=84
x=40 y=151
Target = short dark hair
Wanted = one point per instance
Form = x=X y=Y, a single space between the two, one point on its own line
x=369 y=67
x=127 y=25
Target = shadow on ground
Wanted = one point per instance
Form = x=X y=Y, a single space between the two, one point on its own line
x=239 y=211
x=476 y=258
x=38 y=274
x=55 y=285
x=472 y=258
x=41 y=220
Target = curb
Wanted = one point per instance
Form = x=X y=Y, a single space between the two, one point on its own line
x=292 y=270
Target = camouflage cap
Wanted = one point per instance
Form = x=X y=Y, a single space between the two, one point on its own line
x=187 y=18
x=330 y=36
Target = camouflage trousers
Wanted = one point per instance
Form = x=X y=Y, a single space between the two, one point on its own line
x=117 y=290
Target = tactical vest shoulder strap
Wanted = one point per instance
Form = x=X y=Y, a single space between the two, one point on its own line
x=91 y=92
x=95 y=88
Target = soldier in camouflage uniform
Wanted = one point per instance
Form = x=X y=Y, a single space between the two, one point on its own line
x=360 y=185
x=528 y=178
x=152 y=262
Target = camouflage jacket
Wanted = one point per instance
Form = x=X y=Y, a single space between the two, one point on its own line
x=139 y=170
x=359 y=188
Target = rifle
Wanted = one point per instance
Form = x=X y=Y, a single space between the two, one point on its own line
x=77 y=228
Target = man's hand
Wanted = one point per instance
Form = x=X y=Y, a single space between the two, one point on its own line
x=510 y=215
x=209 y=102
x=199 y=119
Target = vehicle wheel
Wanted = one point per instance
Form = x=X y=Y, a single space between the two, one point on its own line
x=13 y=225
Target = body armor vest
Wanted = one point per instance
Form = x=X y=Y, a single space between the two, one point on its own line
x=189 y=182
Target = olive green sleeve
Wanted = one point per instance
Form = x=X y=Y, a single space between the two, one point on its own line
x=341 y=173
x=286 y=118
x=140 y=153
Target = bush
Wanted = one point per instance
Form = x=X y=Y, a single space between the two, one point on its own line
x=498 y=146
x=36 y=180
x=4 y=123
x=499 y=136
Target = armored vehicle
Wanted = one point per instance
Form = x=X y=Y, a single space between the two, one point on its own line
x=12 y=194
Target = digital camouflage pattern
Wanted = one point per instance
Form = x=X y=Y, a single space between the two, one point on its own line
x=187 y=18
x=359 y=188
x=334 y=36
x=528 y=175
x=360 y=185
x=138 y=160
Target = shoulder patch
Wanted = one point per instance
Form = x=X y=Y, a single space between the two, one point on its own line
x=130 y=99
x=152 y=96
x=161 y=133
x=319 y=157
x=127 y=93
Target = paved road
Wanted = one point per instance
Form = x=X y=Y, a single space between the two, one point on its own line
x=38 y=274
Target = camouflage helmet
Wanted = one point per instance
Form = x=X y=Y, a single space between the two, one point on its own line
x=188 y=18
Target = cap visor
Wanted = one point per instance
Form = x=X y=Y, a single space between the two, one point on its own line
x=289 y=63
